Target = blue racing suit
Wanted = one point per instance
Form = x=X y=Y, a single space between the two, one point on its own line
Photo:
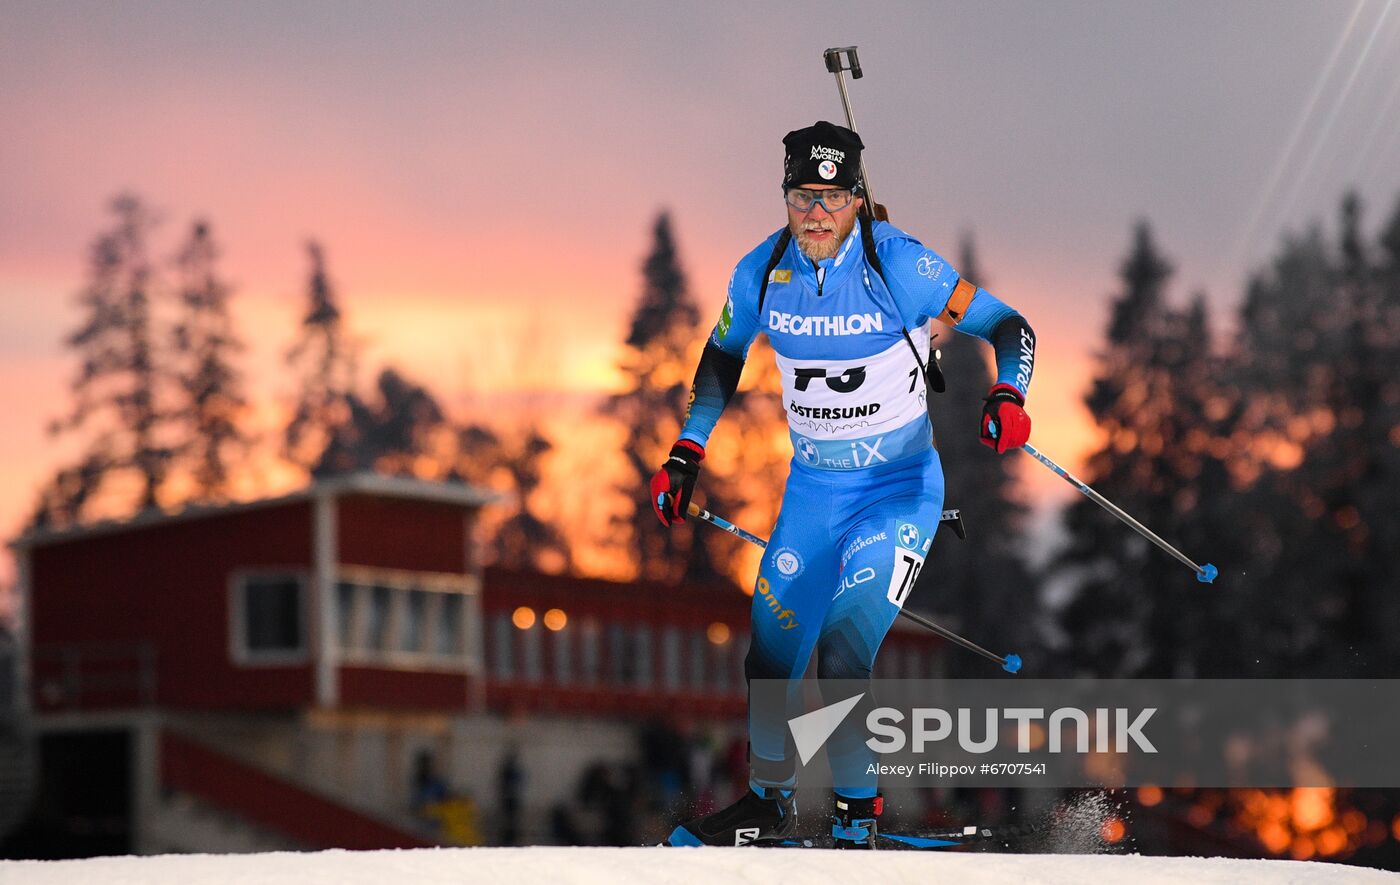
x=865 y=487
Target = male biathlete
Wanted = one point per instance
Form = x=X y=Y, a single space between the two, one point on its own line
x=846 y=302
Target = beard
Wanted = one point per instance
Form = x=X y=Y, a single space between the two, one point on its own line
x=820 y=250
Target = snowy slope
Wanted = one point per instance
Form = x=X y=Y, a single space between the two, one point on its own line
x=658 y=866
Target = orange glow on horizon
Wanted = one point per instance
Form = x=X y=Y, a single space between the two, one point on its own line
x=501 y=341
x=578 y=440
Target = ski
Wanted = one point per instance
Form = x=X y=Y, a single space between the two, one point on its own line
x=949 y=839
x=900 y=841
x=897 y=841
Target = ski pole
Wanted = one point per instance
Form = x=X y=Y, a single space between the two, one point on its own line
x=1204 y=573
x=953 y=517
x=1009 y=663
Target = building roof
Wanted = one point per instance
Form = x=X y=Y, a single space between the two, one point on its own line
x=360 y=483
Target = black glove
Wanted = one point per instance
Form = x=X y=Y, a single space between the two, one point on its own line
x=674 y=483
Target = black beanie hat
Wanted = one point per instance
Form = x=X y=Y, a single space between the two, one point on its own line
x=822 y=153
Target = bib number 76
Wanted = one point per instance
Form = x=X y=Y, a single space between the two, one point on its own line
x=906 y=571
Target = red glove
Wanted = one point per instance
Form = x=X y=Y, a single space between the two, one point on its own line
x=674 y=483
x=1005 y=425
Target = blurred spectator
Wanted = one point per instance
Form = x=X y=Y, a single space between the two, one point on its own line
x=608 y=793
x=562 y=828
x=665 y=762
x=451 y=818
x=510 y=784
x=458 y=820
x=428 y=784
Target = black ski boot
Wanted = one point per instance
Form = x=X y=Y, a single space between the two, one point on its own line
x=753 y=818
x=853 y=821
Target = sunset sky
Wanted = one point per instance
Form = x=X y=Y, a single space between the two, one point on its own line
x=486 y=175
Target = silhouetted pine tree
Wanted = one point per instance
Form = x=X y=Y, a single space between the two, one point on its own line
x=981 y=583
x=1133 y=610
x=1193 y=631
x=210 y=386
x=317 y=438
x=117 y=395
x=1320 y=334
x=663 y=344
x=1288 y=320
x=1357 y=457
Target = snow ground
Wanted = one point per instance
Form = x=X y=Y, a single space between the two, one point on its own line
x=661 y=866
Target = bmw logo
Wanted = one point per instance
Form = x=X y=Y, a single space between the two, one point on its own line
x=909 y=535
x=807 y=450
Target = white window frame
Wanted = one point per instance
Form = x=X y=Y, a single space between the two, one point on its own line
x=239 y=652
x=400 y=584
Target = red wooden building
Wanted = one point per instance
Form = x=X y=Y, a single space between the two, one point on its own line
x=264 y=674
